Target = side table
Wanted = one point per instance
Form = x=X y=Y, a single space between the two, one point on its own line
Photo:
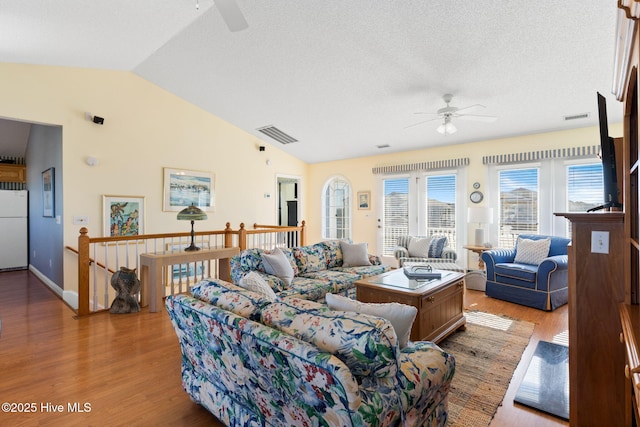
x=478 y=250
x=152 y=264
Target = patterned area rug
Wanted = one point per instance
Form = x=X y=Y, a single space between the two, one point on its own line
x=487 y=353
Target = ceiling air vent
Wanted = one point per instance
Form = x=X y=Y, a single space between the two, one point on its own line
x=577 y=116
x=275 y=133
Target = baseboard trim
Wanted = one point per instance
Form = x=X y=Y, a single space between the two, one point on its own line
x=69 y=297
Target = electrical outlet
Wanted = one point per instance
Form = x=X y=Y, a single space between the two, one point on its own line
x=600 y=242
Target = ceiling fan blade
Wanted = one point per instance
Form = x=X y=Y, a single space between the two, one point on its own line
x=470 y=106
x=421 y=123
x=477 y=118
x=429 y=114
x=232 y=15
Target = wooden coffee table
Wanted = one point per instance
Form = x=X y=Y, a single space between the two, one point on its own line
x=439 y=302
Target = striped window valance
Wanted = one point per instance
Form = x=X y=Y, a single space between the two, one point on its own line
x=422 y=166
x=532 y=156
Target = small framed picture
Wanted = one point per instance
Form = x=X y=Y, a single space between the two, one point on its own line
x=364 y=199
x=123 y=215
x=184 y=188
x=48 y=193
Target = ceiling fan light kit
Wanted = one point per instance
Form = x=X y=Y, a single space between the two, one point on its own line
x=448 y=113
x=447 y=128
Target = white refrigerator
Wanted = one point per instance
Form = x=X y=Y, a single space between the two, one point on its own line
x=13 y=230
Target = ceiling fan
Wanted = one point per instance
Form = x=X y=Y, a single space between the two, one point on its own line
x=231 y=14
x=446 y=114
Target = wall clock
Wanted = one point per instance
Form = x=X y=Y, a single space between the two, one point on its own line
x=476 y=197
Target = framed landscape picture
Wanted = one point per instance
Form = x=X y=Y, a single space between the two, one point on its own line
x=184 y=188
x=123 y=215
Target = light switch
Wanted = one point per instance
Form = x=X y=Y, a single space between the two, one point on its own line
x=600 y=242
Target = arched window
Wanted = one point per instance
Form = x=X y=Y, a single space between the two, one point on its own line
x=336 y=209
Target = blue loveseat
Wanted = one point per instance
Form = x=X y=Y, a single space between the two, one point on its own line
x=543 y=286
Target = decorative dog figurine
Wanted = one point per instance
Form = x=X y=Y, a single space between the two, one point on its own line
x=127 y=285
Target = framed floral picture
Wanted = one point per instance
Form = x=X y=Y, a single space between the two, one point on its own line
x=123 y=215
x=364 y=199
x=48 y=193
x=184 y=188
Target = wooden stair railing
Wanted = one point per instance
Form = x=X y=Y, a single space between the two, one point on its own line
x=243 y=241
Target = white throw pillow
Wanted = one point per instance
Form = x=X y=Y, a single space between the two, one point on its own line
x=354 y=255
x=419 y=247
x=253 y=282
x=276 y=263
x=532 y=251
x=401 y=316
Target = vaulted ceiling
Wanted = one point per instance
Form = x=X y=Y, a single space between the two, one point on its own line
x=343 y=77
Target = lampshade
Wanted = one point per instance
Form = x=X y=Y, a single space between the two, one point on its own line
x=192 y=213
x=447 y=127
x=481 y=215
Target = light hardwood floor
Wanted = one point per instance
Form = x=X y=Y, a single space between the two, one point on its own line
x=127 y=367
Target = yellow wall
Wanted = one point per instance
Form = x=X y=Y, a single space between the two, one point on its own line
x=359 y=172
x=146 y=128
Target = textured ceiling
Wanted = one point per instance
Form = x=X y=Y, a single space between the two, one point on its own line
x=343 y=77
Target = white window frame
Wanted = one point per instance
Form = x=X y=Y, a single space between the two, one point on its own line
x=348 y=205
x=417 y=203
x=552 y=193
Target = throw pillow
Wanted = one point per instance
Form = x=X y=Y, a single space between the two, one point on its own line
x=310 y=258
x=277 y=264
x=354 y=255
x=401 y=316
x=254 y=282
x=419 y=247
x=532 y=251
x=436 y=246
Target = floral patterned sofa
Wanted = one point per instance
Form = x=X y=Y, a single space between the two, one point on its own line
x=318 y=269
x=294 y=362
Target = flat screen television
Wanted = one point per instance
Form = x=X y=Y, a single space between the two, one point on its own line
x=608 y=152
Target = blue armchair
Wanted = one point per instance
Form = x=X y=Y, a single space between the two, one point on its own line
x=543 y=286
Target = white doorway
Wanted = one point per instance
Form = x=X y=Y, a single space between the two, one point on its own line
x=289 y=197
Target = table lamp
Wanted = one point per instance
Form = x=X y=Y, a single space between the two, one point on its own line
x=192 y=213
x=481 y=215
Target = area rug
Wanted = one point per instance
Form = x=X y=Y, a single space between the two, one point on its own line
x=545 y=386
x=487 y=353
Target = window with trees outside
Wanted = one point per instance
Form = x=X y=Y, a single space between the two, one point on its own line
x=336 y=209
